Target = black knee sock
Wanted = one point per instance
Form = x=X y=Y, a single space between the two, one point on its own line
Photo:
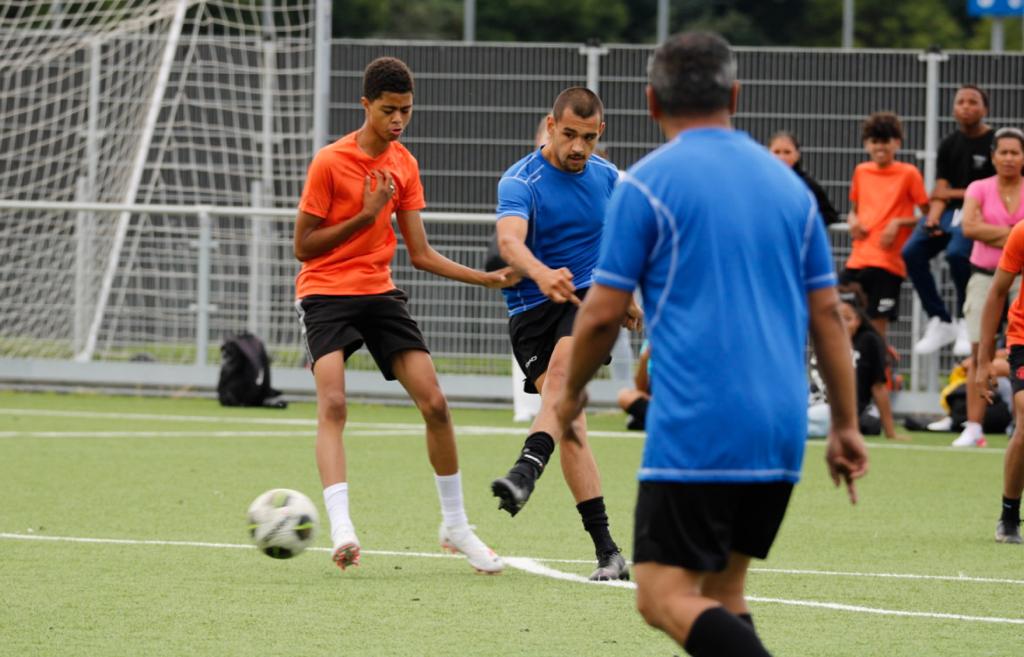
x=1011 y=511
x=748 y=619
x=595 y=521
x=536 y=451
x=717 y=632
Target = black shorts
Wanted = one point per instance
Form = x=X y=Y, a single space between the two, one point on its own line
x=534 y=334
x=881 y=287
x=344 y=323
x=1016 y=368
x=696 y=526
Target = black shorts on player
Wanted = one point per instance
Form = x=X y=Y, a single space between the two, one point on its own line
x=695 y=526
x=534 y=334
x=344 y=323
x=881 y=287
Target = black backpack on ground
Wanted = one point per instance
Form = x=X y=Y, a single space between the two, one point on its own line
x=245 y=374
x=997 y=414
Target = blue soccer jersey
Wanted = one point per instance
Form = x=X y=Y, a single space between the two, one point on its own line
x=724 y=242
x=565 y=212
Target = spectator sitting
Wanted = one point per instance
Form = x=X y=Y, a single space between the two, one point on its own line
x=883 y=196
x=785 y=146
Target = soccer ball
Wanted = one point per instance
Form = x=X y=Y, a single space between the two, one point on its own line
x=282 y=522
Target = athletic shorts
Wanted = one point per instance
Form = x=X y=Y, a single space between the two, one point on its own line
x=534 y=334
x=696 y=525
x=344 y=323
x=978 y=286
x=882 y=288
x=1017 y=368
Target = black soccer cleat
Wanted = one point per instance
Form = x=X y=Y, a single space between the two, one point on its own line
x=610 y=566
x=1007 y=532
x=513 y=490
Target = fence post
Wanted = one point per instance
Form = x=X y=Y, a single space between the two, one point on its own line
x=259 y=258
x=593 y=51
x=83 y=269
x=202 y=307
x=321 y=73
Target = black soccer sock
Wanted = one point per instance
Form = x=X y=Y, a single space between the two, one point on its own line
x=595 y=521
x=748 y=619
x=1011 y=511
x=637 y=412
x=536 y=451
x=717 y=632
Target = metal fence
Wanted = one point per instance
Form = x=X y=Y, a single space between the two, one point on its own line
x=477 y=107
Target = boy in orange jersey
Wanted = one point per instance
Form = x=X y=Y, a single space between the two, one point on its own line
x=1011 y=263
x=883 y=195
x=345 y=297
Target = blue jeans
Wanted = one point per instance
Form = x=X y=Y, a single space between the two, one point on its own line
x=922 y=247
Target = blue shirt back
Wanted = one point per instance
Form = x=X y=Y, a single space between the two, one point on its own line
x=566 y=214
x=725 y=242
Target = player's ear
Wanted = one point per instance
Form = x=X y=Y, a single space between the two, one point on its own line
x=652 y=103
x=365 y=103
x=600 y=131
x=734 y=97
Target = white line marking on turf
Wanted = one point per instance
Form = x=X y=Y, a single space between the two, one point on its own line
x=195 y=434
x=417 y=429
x=533 y=566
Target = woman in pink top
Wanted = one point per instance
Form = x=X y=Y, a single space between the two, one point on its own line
x=992 y=206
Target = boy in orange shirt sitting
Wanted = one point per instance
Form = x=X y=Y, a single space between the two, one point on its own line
x=883 y=195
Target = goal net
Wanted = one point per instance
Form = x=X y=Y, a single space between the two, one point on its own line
x=173 y=102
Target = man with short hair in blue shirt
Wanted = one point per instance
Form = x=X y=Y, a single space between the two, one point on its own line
x=551 y=208
x=731 y=273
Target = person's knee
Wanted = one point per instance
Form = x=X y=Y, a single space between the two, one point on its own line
x=434 y=408
x=915 y=252
x=651 y=607
x=333 y=406
x=626 y=397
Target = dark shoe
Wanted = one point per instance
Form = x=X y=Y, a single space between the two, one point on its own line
x=1007 y=533
x=610 y=566
x=513 y=490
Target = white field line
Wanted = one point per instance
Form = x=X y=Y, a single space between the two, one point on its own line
x=196 y=434
x=535 y=567
x=408 y=428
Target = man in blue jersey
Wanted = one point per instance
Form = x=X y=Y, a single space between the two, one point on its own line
x=550 y=215
x=731 y=275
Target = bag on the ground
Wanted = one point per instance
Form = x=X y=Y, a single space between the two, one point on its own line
x=997 y=414
x=245 y=374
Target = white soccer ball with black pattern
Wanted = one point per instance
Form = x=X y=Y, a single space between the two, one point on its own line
x=282 y=522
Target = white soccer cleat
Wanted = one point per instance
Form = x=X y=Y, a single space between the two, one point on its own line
x=462 y=540
x=346 y=550
x=968 y=438
x=962 y=346
x=936 y=335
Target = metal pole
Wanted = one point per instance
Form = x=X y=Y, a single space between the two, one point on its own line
x=593 y=52
x=322 y=73
x=92 y=122
x=202 y=306
x=83 y=254
x=259 y=258
x=469 y=20
x=663 y=10
x=848 y=24
x=997 y=34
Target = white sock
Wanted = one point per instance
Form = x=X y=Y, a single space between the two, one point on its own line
x=449 y=490
x=972 y=429
x=336 y=501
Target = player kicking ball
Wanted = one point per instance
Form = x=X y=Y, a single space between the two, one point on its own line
x=344 y=239
x=550 y=216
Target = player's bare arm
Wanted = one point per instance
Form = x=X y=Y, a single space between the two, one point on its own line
x=555 y=284
x=976 y=228
x=312 y=241
x=991 y=316
x=845 y=452
x=594 y=333
x=892 y=229
x=424 y=257
x=857 y=231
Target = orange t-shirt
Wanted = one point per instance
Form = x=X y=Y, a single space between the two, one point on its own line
x=334 y=192
x=882 y=194
x=1012 y=261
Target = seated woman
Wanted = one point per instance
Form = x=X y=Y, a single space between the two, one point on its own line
x=785 y=146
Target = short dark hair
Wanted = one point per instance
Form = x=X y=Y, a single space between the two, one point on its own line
x=882 y=126
x=583 y=102
x=692 y=73
x=1007 y=133
x=981 y=92
x=384 y=75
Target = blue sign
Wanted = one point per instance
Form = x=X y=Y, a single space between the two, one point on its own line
x=995 y=7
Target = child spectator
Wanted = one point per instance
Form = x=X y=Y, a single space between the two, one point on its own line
x=883 y=195
x=785 y=146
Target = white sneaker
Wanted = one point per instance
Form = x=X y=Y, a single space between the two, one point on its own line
x=462 y=540
x=346 y=550
x=945 y=424
x=962 y=346
x=968 y=438
x=936 y=335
